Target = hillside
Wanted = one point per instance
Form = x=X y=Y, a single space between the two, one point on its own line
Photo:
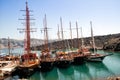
x=102 y=42
x=106 y=42
x=18 y=43
x=112 y=45
x=13 y=43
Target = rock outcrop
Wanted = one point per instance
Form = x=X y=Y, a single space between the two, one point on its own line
x=112 y=45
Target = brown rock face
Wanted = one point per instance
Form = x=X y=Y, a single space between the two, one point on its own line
x=106 y=42
x=112 y=44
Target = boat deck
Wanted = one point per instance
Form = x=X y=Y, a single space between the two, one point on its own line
x=48 y=59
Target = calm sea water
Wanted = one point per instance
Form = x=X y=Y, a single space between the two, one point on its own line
x=88 y=71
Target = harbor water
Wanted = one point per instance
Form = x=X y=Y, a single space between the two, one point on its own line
x=87 y=71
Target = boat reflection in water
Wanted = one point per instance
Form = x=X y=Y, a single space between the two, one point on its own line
x=66 y=74
x=82 y=72
x=50 y=75
x=100 y=70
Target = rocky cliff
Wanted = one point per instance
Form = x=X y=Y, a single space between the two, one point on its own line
x=112 y=44
x=106 y=42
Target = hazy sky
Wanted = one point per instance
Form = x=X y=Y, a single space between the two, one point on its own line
x=104 y=14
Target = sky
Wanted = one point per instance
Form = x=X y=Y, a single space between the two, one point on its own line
x=104 y=14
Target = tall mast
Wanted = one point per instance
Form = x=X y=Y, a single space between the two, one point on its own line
x=93 y=42
x=82 y=41
x=0 y=45
x=58 y=33
x=61 y=28
x=71 y=34
x=27 y=32
x=45 y=32
x=63 y=43
x=77 y=33
x=27 y=29
x=8 y=45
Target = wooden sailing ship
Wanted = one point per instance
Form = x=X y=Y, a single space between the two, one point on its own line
x=63 y=58
x=8 y=63
x=7 y=68
x=29 y=61
x=78 y=55
x=46 y=59
x=10 y=56
x=94 y=56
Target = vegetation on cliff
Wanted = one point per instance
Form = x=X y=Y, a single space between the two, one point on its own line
x=112 y=45
x=106 y=42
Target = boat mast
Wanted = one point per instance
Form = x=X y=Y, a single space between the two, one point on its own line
x=27 y=29
x=93 y=42
x=62 y=32
x=77 y=34
x=8 y=45
x=0 y=45
x=82 y=41
x=45 y=32
x=27 y=32
x=71 y=35
x=61 y=28
x=58 y=33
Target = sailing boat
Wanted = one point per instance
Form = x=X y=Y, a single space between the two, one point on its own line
x=8 y=63
x=7 y=68
x=9 y=56
x=78 y=55
x=63 y=58
x=29 y=61
x=94 y=56
x=84 y=49
x=47 y=60
x=2 y=54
